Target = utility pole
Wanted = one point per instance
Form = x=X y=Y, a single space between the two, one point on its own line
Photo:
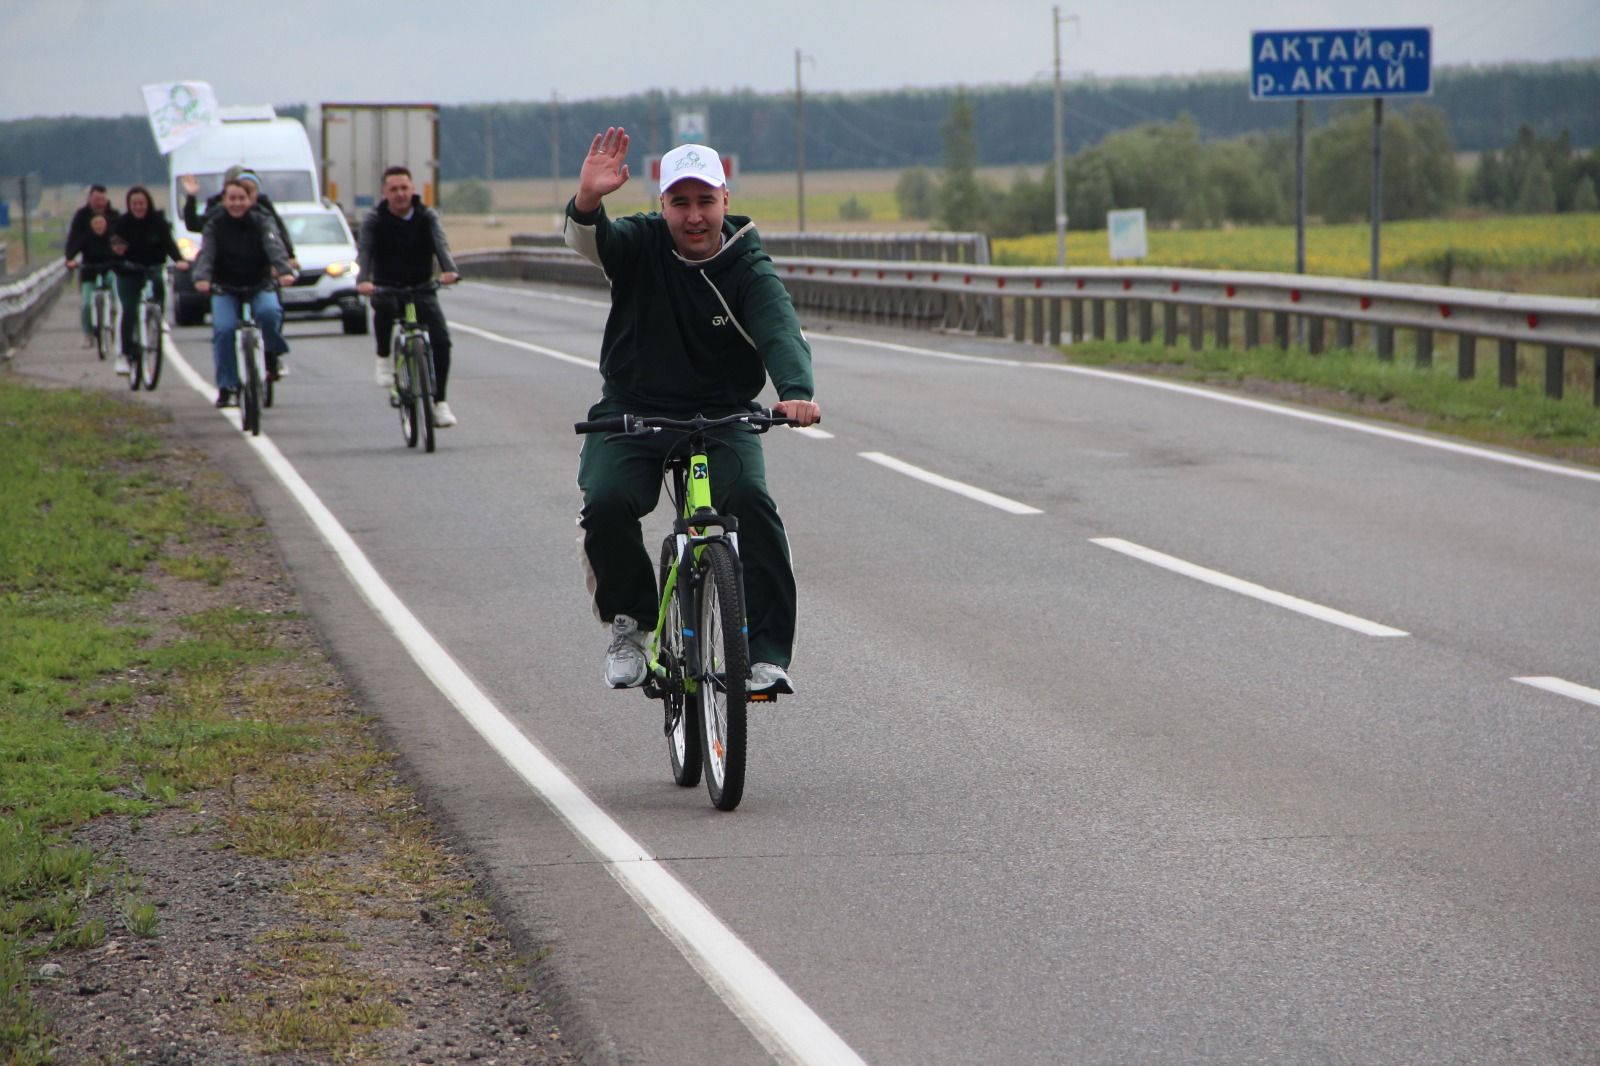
x=555 y=152
x=22 y=186
x=1060 y=156
x=799 y=147
x=488 y=155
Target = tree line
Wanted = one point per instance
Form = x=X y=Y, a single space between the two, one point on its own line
x=1480 y=107
x=1182 y=179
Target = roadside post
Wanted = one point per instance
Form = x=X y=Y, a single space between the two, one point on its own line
x=1303 y=65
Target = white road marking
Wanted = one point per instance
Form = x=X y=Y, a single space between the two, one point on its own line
x=537 y=294
x=1563 y=688
x=814 y=432
x=960 y=488
x=499 y=338
x=789 y=1029
x=1247 y=588
x=1241 y=401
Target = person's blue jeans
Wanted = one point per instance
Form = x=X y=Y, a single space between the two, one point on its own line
x=268 y=314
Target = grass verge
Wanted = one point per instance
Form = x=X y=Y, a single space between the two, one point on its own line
x=1357 y=382
x=111 y=712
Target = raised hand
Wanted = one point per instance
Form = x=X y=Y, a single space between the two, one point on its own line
x=191 y=184
x=605 y=168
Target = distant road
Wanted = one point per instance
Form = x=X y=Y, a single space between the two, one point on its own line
x=1134 y=726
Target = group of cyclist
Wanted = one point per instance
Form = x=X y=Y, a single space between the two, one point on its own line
x=699 y=321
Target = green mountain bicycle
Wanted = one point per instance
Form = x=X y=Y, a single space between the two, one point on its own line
x=698 y=653
x=414 y=376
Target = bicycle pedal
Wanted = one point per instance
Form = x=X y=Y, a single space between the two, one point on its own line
x=764 y=696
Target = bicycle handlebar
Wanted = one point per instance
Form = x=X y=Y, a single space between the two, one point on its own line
x=638 y=425
x=240 y=290
x=402 y=291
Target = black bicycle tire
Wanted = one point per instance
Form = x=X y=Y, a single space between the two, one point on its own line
x=720 y=627
x=103 y=338
x=405 y=390
x=135 y=373
x=150 y=359
x=250 y=400
x=424 y=389
x=681 y=709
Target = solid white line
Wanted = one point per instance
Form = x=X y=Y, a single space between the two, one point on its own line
x=958 y=487
x=500 y=338
x=1247 y=588
x=536 y=294
x=789 y=1029
x=1255 y=405
x=1563 y=688
x=814 y=432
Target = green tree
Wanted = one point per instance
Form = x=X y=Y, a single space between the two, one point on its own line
x=853 y=210
x=1536 y=193
x=961 y=204
x=914 y=191
x=1028 y=207
x=1088 y=191
x=1419 y=170
x=1583 y=197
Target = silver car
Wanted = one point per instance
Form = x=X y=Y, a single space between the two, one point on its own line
x=326 y=285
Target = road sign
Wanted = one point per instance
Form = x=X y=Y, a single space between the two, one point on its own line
x=691 y=127
x=1125 y=231
x=1335 y=64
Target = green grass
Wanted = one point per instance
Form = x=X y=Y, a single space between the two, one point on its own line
x=1356 y=380
x=81 y=521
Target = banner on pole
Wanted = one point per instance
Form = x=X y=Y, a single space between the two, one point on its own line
x=179 y=111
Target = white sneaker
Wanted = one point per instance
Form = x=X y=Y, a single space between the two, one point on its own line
x=443 y=417
x=383 y=373
x=625 y=658
x=765 y=677
x=122 y=364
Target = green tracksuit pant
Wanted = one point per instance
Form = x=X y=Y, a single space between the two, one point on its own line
x=621 y=483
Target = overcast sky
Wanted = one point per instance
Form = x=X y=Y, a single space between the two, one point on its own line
x=89 y=57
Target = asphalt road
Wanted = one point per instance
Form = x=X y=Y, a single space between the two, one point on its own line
x=1049 y=793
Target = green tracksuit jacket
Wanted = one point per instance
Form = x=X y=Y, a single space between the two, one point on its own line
x=684 y=339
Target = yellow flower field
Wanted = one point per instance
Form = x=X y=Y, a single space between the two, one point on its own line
x=1415 y=250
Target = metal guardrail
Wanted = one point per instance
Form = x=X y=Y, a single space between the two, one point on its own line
x=22 y=301
x=1052 y=305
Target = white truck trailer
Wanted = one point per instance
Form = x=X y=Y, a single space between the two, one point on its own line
x=359 y=141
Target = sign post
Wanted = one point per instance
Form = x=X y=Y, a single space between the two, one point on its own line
x=1305 y=65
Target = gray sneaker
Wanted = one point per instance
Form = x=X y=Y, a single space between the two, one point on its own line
x=765 y=677
x=625 y=658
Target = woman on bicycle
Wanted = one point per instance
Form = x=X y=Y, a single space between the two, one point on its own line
x=141 y=241
x=92 y=255
x=241 y=250
x=699 y=320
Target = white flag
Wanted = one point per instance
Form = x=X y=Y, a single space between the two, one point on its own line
x=179 y=111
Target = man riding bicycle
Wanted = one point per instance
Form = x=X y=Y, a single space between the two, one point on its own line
x=699 y=320
x=89 y=240
x=400 y=239
x=241 y=250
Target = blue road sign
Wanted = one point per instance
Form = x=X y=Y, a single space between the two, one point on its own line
x=1330 y=64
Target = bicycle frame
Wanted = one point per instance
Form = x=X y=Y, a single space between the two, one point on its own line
x=697 y=525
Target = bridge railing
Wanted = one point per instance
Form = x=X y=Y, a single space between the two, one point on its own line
x=1177 y=306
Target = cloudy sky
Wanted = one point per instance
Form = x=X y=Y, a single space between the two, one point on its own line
x=89 y=57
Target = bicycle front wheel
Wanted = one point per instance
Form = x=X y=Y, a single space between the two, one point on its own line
x=250 y=391
x=681 y=724
x=150 y=359
x=424 y=383
x=725 y=672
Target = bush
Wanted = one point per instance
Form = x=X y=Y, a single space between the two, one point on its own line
x=853 y=210
x=470 y=197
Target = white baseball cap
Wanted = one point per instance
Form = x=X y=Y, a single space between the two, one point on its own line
x=692 y=161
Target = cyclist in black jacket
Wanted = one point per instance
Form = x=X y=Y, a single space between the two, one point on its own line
x=400 y=239
x=195 y=220
x=91 y=254
x=140 y=239
x=240 y=249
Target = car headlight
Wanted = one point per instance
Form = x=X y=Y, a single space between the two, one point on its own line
x=189 y=248
x=337 y=270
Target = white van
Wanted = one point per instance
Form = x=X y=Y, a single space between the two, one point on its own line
x=254 y=137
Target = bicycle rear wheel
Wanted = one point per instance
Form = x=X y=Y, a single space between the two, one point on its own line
x=250 y=387
x=150 y=359
x=104 y=335
x=424 y=385
x=405 y=391
x=725 y=669
x=681 y=723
